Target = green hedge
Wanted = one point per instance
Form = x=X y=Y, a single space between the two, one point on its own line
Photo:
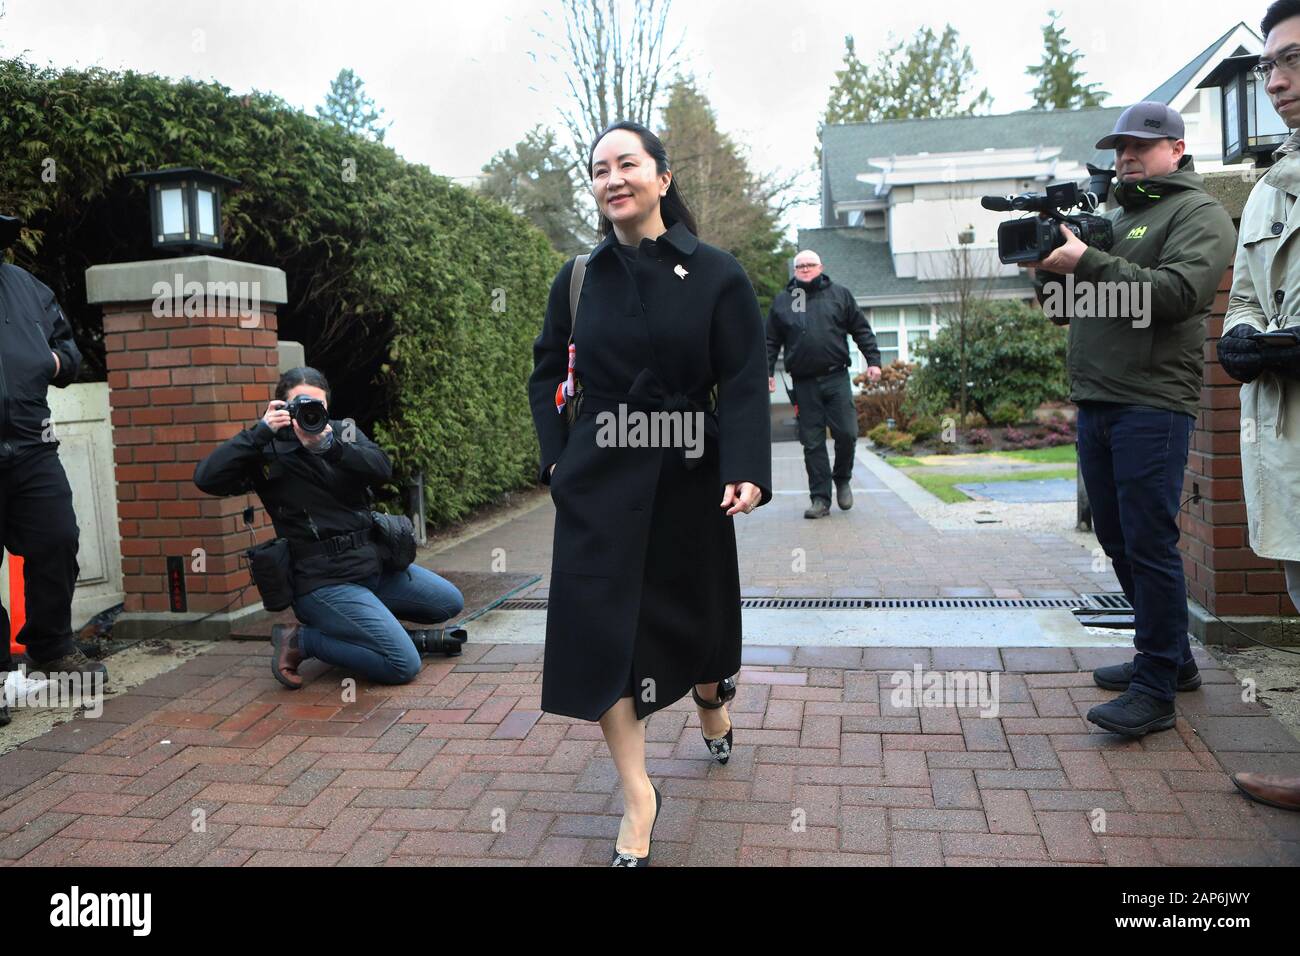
x=391 y=276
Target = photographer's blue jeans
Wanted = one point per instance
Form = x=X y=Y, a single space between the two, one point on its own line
x=354 y=626
x=1132 y=459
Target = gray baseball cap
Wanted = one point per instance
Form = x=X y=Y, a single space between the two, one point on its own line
x=1146 y=120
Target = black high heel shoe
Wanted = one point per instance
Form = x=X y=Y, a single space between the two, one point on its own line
x=627 y=859
x=719 y=747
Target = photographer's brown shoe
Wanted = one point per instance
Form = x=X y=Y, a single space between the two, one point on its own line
x=286 y=655
x=1272 y=789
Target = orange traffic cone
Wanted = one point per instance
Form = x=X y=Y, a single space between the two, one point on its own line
x=17 y=603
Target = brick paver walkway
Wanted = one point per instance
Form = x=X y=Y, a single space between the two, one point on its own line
x=460 y=767
x=880 y=548
x=215 y=763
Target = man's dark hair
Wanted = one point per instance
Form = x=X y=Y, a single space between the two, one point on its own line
x=303 y=375
x=1278 y=11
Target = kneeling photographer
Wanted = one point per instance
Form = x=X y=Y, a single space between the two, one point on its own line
x=1137 y=314
x=346 y=571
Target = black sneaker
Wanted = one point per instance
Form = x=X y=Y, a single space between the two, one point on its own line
x=820 y=508
x=1133 y=714
x=844 y=494
x=1119 y=676
x=74 y=662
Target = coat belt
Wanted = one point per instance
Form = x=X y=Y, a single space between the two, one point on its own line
x=649 y=395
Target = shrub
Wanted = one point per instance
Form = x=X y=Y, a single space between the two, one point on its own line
x=879 y=433
x=1013 y=354
x=899 y=441
x=979 y=437
x=1005 y=413
x=924 y=427
x=884 y=399
x=1014 y=436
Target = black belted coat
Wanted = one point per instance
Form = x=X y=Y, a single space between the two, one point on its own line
x=644 y=591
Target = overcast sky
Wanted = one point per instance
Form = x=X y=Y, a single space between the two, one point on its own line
x=459 y=83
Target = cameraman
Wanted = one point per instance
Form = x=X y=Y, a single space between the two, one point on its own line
x=314 y=487
x=1136 y=379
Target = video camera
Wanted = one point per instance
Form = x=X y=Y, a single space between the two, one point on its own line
x=1033 y=239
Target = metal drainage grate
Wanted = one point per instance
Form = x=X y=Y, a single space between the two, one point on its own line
x=1110 y=600
x=1093 y=602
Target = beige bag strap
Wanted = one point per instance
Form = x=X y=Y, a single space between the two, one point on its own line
x=575 y=290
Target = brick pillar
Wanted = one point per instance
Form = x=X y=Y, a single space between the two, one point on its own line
x=179 y=385
x=1224 y=575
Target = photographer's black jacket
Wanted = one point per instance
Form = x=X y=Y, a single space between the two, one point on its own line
x=31 y=326
x=814 y=338
x=309 y=497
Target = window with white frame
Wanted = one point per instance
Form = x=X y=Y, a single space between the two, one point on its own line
x=898 y=329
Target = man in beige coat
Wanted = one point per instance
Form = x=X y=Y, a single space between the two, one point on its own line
x=1265 y=301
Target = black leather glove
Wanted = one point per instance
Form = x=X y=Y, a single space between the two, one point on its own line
x=1283 y=360
x=1241 y=354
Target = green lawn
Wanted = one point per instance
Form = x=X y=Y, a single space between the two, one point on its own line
x=942 y=485
x=902 y=461
x=1057 y=455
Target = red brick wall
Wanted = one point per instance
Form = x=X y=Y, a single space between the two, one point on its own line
x=178 y=387
x=1223 y=575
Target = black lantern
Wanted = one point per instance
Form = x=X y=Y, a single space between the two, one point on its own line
x=1251 y=127
x=185 y=207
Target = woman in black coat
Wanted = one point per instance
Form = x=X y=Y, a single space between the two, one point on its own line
x=671 y=440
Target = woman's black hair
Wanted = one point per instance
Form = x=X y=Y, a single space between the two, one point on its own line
x=303 y=375
x=672 y=207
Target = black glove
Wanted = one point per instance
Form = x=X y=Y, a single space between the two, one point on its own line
x=1283 y=360
x=1241 y=354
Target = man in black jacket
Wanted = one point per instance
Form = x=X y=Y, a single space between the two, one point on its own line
x=811 y=318
x=36 y=517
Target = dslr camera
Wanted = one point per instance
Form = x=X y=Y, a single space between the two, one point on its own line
x=1032 y=239
x=309 y=413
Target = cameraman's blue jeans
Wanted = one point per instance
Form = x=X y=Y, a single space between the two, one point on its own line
x=354 y=626
x=1132 y=459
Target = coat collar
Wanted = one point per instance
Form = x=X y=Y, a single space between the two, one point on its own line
x=1285 y=172
x=677 y=236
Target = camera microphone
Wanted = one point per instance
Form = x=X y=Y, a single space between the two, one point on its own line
x=997 y=203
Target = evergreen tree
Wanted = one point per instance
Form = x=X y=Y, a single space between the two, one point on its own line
x=1060 y=81
x=348 y=106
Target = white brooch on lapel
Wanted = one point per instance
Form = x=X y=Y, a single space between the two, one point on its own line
x=679 y=270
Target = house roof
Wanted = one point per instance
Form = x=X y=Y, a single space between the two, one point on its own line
x=866 y=268
x=847 y=147
x=1166 y=91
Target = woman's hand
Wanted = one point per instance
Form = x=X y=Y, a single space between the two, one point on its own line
x=277 y=415
x=742 y=498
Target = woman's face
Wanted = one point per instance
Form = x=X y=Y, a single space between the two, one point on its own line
x=623 y=178
x=311 y=391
